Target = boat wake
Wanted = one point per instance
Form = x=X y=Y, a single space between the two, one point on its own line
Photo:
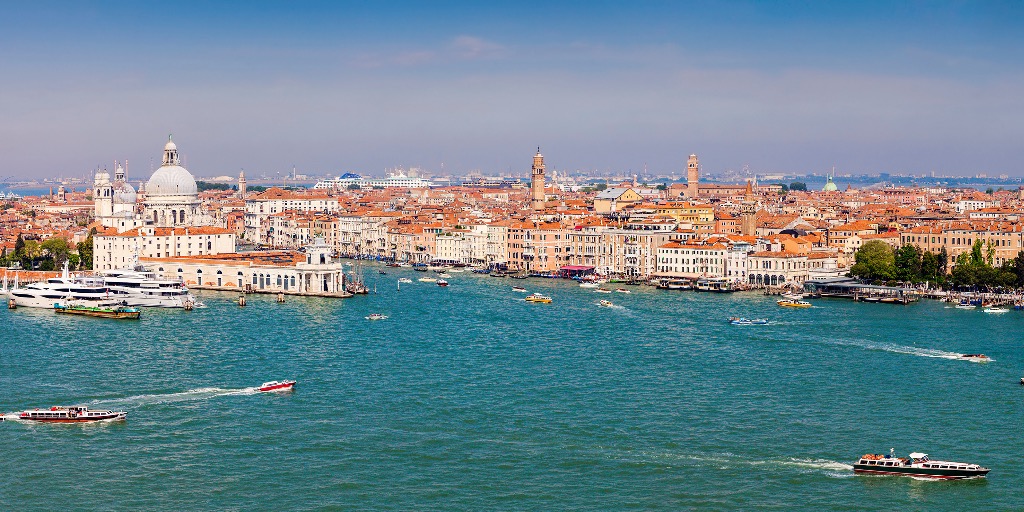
x=830 y=468
x=192 y=394
x=903 y=349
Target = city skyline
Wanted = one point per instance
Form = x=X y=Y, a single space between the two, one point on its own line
x=867 y=87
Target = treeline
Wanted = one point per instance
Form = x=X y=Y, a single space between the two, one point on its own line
x=877 y=262
x=50 y=254
x=203 y=186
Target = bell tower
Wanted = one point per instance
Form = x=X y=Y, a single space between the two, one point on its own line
x=537 y=182
x=692 y=177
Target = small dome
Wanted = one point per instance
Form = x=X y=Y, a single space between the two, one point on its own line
x=124 y=193
x=830 y=186
x=170 y=145
x=171 y=180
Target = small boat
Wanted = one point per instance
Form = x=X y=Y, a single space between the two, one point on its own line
x=427 y=280
x=518 y=289
x=589 y=285
x=456 y=270
x=747 y=321
x=917 y=464
x=404 y=280
x=622 y=290
x=537 y=297
x=442 y=282
x=117 y=312
x=377 y=316
x=603 y=290
x=520 y=275
x=790 y=303
x=381 y=272
x=78 y=414
x=276 y=386
x=995 y=309
x=606 y=303
x=965 y=305
x=975 y=358
x=444 y=275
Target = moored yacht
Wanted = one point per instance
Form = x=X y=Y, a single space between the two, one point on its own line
x=46 y=294
x=140 y=287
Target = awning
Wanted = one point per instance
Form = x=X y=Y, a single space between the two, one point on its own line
x=577 y=267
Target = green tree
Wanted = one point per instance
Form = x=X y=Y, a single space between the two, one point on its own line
x=874 y=261
x=19 y=246
x=30 y=254
x=989 y=191
x=930 y=268
x=1016 y=267
x=785 y=188
x=908 y=264
x=56 y=250
x=600 y=186
x=85 y=252
x=354 y=186
x=798 y=186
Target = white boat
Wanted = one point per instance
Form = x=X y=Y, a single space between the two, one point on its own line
x=377 y=316
x=80 y=414
x=57 y=289
x=602 y=290
x=427 y=280
x=518 y=289
x=589 y=285
x=917 y=465
x=622 y=290
x=606 y=303
x=404 y=280
x=456 y=270
x=976 y=358
x=995 y=310
x=444 y=275
x=140 y=287
x=965 y=305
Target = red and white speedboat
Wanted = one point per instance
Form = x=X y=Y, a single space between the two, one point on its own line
x=276 y=386
x=77 y=414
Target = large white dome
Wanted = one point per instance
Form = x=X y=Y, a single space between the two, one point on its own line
x=171 y=180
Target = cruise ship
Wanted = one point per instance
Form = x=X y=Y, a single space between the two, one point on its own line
x=140 y=287
x=398 y=179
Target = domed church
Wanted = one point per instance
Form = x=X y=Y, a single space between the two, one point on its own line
x=172 y=199
x=114 y=200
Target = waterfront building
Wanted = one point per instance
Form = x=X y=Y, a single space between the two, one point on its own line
x=312 y=272
x=260 y=207
x=171 y=194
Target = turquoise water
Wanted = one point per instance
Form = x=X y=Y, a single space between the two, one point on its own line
x=469 y=398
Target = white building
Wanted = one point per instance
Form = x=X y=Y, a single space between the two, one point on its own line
x=113 y=250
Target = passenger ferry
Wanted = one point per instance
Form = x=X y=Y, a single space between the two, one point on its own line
x=538 y=297
x=792 y=303
x=918 y=464
x=78 y=414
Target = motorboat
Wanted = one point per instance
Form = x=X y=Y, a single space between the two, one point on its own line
x=427 y=280
x=748 y=321
x=518 y=289
x=46 y=294
x=790 y=303
x=965 y=305
x=603 y=290
x=538 y=297
x=381 y=272
x=622 y=290
x=589 y=285
x=918 y=465
x=404 y=280
x=976 y=358
x=442 y=282
x=74 y=414
x=606 y=303
x=274 y=385
x=377 y=316
x=995 y=309
x=444 y=275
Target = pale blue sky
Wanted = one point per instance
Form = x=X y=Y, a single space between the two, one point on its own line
x=360 y=86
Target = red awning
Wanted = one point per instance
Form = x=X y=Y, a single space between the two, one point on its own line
x=577 y=267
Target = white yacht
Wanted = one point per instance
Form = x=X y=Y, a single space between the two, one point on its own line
x=57 y=289
x=140 y=287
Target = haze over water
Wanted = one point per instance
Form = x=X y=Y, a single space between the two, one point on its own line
x=469 y=398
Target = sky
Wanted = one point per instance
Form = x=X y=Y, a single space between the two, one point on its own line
x=454 y=87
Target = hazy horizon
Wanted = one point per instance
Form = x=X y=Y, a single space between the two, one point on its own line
x=333 y=87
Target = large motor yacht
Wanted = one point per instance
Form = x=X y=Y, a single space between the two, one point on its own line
x=140 y=287
x=57 y=289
